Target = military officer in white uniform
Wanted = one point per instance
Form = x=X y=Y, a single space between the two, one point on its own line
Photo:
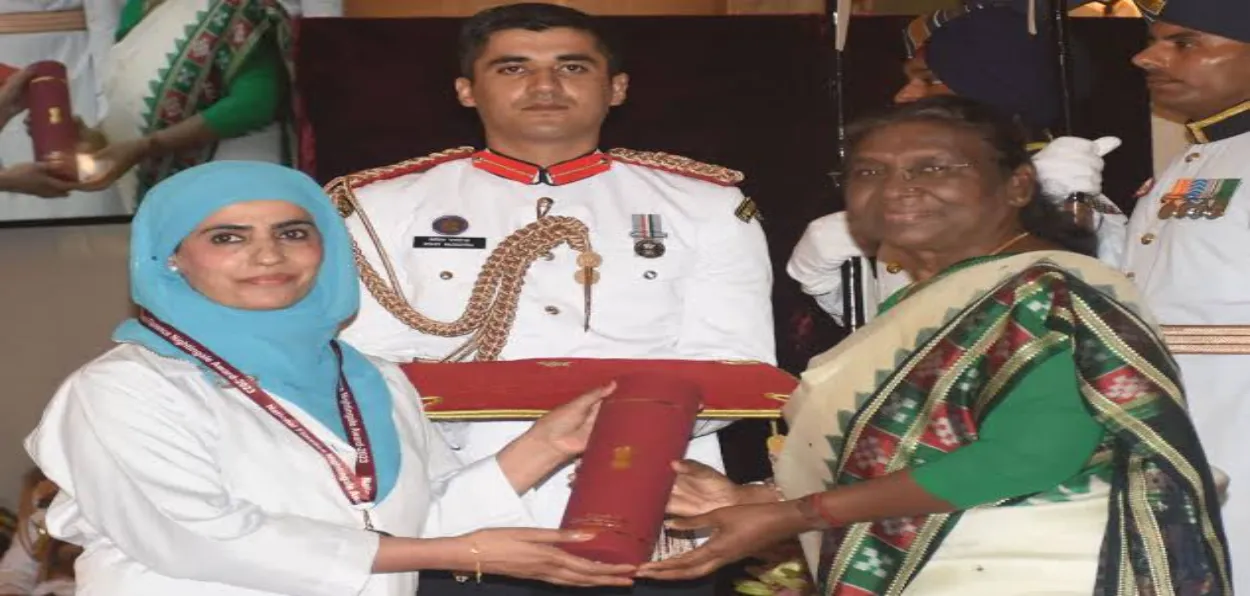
x=1189 y=238
x=983 y=52
x=654 y=256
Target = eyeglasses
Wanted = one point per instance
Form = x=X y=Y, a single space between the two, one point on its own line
x=919 y=174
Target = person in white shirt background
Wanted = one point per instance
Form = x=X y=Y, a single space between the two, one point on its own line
x=679 y=265
x=984 y=52
x=181 y=474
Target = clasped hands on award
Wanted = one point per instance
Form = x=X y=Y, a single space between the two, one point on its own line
x=32 y=178
x=100 y=164
x=742 y=519
x=531 y=553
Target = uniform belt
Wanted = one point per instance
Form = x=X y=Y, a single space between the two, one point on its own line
x=43 y=22
x=1207 y=339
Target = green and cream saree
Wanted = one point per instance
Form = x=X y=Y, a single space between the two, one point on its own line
x=177 y=61
x=1141 y=519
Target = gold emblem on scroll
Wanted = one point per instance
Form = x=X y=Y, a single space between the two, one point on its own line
x=622 y=457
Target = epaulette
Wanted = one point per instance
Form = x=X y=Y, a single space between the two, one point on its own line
x=677 y=164
x=343 y=185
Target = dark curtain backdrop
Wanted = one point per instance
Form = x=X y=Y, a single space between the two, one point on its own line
x=752 y=93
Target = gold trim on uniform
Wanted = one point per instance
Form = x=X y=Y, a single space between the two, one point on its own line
x=1196 y=129
x=1207 y=339
x=747 y=210
x=43 y=21
x=408 y=166
x=679 y=165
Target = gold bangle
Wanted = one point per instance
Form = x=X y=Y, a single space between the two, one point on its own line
x=477 y=563
x=477 y=566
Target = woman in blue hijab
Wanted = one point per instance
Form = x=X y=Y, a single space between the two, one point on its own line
x=230 y=445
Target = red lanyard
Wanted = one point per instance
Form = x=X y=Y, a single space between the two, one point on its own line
x=361 y=487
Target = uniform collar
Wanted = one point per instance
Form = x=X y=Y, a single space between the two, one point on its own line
x=1229 y=123
x=565 y=172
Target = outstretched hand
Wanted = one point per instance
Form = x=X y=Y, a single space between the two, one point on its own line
x=699 y=489
x=34 y=178
x=535 y=554
x=737 y=532
x=567 y=428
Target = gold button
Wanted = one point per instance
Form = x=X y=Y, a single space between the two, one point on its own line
x=1147 y=238
x=551 y=310
x=893 y=267
x=446 y=275
x=650 y=275
x=1192 y=156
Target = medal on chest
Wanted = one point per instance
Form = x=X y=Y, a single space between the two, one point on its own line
x=648 y=235
x=1198 y=198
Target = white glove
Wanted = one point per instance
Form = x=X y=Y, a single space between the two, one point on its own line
x=825 y=245
x=1069 y=165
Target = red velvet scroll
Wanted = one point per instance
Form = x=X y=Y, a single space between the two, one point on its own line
x=626 y=475
x=526 y=389
x=52 y=126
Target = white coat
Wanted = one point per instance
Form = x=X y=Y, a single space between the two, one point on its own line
x=174 y=484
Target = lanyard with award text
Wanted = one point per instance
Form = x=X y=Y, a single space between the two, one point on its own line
x=360 y=487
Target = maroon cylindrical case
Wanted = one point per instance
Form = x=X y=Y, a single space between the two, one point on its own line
x=626 y=476
x=52 y=126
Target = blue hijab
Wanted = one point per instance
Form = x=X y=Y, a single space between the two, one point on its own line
x=287 y=350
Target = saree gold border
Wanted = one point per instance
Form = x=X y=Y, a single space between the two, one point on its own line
x=1016 y=362
x=1113 y=341
x=838 y=566
x=1013 y=367
x=1156 y=560
x=1127 y=574
x=1104 y=405
x=854 y=538
x=924 y=538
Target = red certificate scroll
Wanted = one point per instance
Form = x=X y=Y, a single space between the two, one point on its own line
x=52 y=126
x=626 y=476
x=527 y=389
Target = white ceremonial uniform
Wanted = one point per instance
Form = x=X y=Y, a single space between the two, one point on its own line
x=83 y=51
x=1065 y=166
x=175 y=485
x=1196 y=271
x=707 y=297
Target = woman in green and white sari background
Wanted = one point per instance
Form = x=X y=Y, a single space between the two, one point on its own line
x=192 y=81
x=1011 y=424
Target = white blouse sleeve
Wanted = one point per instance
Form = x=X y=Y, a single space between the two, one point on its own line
x=463 y=497
x=136 y=468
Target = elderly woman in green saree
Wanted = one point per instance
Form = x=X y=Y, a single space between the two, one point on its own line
x=1011 y=424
